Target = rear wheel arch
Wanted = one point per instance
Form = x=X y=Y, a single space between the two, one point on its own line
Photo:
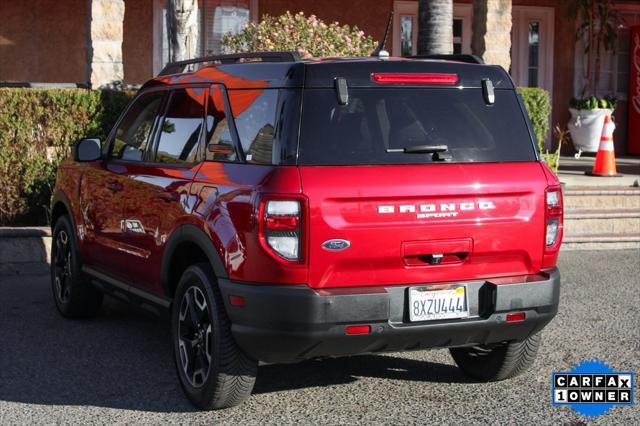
x=188 y=246
x=61 y=206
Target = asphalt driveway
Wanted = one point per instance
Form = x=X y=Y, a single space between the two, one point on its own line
x=118 y=368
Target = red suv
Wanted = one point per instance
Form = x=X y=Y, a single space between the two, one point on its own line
x=286 y=209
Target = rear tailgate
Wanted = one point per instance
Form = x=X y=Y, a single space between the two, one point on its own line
x=486 y=220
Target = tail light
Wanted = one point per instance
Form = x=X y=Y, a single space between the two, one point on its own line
x=281 y=227
x=553 y=225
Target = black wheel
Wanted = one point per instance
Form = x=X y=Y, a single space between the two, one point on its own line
x=497 y=362
x=73 y=297
x=213 y=370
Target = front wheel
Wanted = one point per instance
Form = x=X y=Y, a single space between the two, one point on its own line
x=213 y=370
x=498 y=361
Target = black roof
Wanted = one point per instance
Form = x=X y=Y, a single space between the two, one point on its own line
x=321 y=73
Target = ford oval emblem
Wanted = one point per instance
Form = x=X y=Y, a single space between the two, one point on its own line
x=336 y=245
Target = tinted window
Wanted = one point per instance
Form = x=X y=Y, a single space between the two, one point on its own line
x=379 y=119
x=180 y=131
x=133 y=134
x=220 y=146
x=254 y=112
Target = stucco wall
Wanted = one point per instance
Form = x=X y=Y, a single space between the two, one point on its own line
x=137 y=46
x=43 y=40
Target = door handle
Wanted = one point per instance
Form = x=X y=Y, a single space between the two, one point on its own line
x=168 y=196
x=115 y=186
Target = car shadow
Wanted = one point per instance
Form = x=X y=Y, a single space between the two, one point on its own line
x=122 y=358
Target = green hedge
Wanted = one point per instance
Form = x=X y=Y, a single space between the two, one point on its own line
x=36 y=128
x=538 y=105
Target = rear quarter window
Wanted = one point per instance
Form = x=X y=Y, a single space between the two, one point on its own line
x=377 y=119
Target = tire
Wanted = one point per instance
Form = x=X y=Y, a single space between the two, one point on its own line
x=73 y=296
x=213 y=370
x=497 y=362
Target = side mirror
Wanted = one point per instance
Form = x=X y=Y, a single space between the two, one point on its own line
x=87 y=150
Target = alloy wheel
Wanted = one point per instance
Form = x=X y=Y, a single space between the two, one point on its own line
x=62 y=265
x=194 y=336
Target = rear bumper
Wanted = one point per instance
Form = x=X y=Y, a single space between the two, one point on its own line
x=289 y=323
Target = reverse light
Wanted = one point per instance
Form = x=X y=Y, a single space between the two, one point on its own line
x=281 y=227
x=415 y=78
x=552 y=232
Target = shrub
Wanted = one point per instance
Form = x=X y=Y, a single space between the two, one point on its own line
x=36 y=128
x=538 y=105
x=307 y=35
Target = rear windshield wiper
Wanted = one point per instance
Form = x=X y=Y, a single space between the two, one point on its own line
x=420 y=149
x=440 y=152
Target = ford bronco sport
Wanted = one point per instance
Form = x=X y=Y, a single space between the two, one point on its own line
x=286 y=209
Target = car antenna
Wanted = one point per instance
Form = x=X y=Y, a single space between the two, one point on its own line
x=380 y=49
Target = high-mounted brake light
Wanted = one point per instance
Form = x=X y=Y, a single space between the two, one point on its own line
x=280 y=227
x=415 y=78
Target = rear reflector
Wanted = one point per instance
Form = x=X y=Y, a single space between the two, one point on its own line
x=358 y=329
x=406 y=78
x=516 y=317
x=236 y=300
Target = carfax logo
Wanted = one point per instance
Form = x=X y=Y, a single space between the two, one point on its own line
x=592 y=388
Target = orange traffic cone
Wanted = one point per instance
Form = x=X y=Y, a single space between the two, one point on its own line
x=605 y=164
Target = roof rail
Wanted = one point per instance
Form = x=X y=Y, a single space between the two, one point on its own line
x=470 y=59
x=233 y=58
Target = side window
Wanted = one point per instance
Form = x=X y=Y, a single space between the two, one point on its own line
x=220 y=146
x=254 y=112
x=133 y=134
x=179 y=141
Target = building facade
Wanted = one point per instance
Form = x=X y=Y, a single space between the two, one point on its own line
x=98 y=41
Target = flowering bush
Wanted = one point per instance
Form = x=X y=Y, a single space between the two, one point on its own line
x=309 y=36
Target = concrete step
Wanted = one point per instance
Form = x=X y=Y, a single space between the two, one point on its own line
x=597 y=222
x=607 y=198
x=602 y=242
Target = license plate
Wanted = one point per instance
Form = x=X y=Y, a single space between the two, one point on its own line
x=437 y=304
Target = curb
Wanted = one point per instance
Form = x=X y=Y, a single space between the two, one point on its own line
x=25 y=251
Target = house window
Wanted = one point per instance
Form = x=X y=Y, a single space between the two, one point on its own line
x=406 y=35
x=216 y=17
x=221 y=17
x=534 y=53
x=405 y=28
x=457 y=35
x=614 y=65
x=532 y=46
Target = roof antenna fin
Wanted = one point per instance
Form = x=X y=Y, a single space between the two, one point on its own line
x=380 y=49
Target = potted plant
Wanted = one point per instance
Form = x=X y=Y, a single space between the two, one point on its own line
x=597 y=28
x=587 y=118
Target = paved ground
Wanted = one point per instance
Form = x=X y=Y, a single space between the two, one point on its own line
x=118 y=369
x=572 y=172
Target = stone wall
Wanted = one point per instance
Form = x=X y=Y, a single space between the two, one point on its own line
x=491 y=28
x=105 y=50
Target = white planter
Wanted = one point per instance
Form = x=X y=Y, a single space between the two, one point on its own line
x=585 y=127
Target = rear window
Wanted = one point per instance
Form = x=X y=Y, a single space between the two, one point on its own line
x=375 y=120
